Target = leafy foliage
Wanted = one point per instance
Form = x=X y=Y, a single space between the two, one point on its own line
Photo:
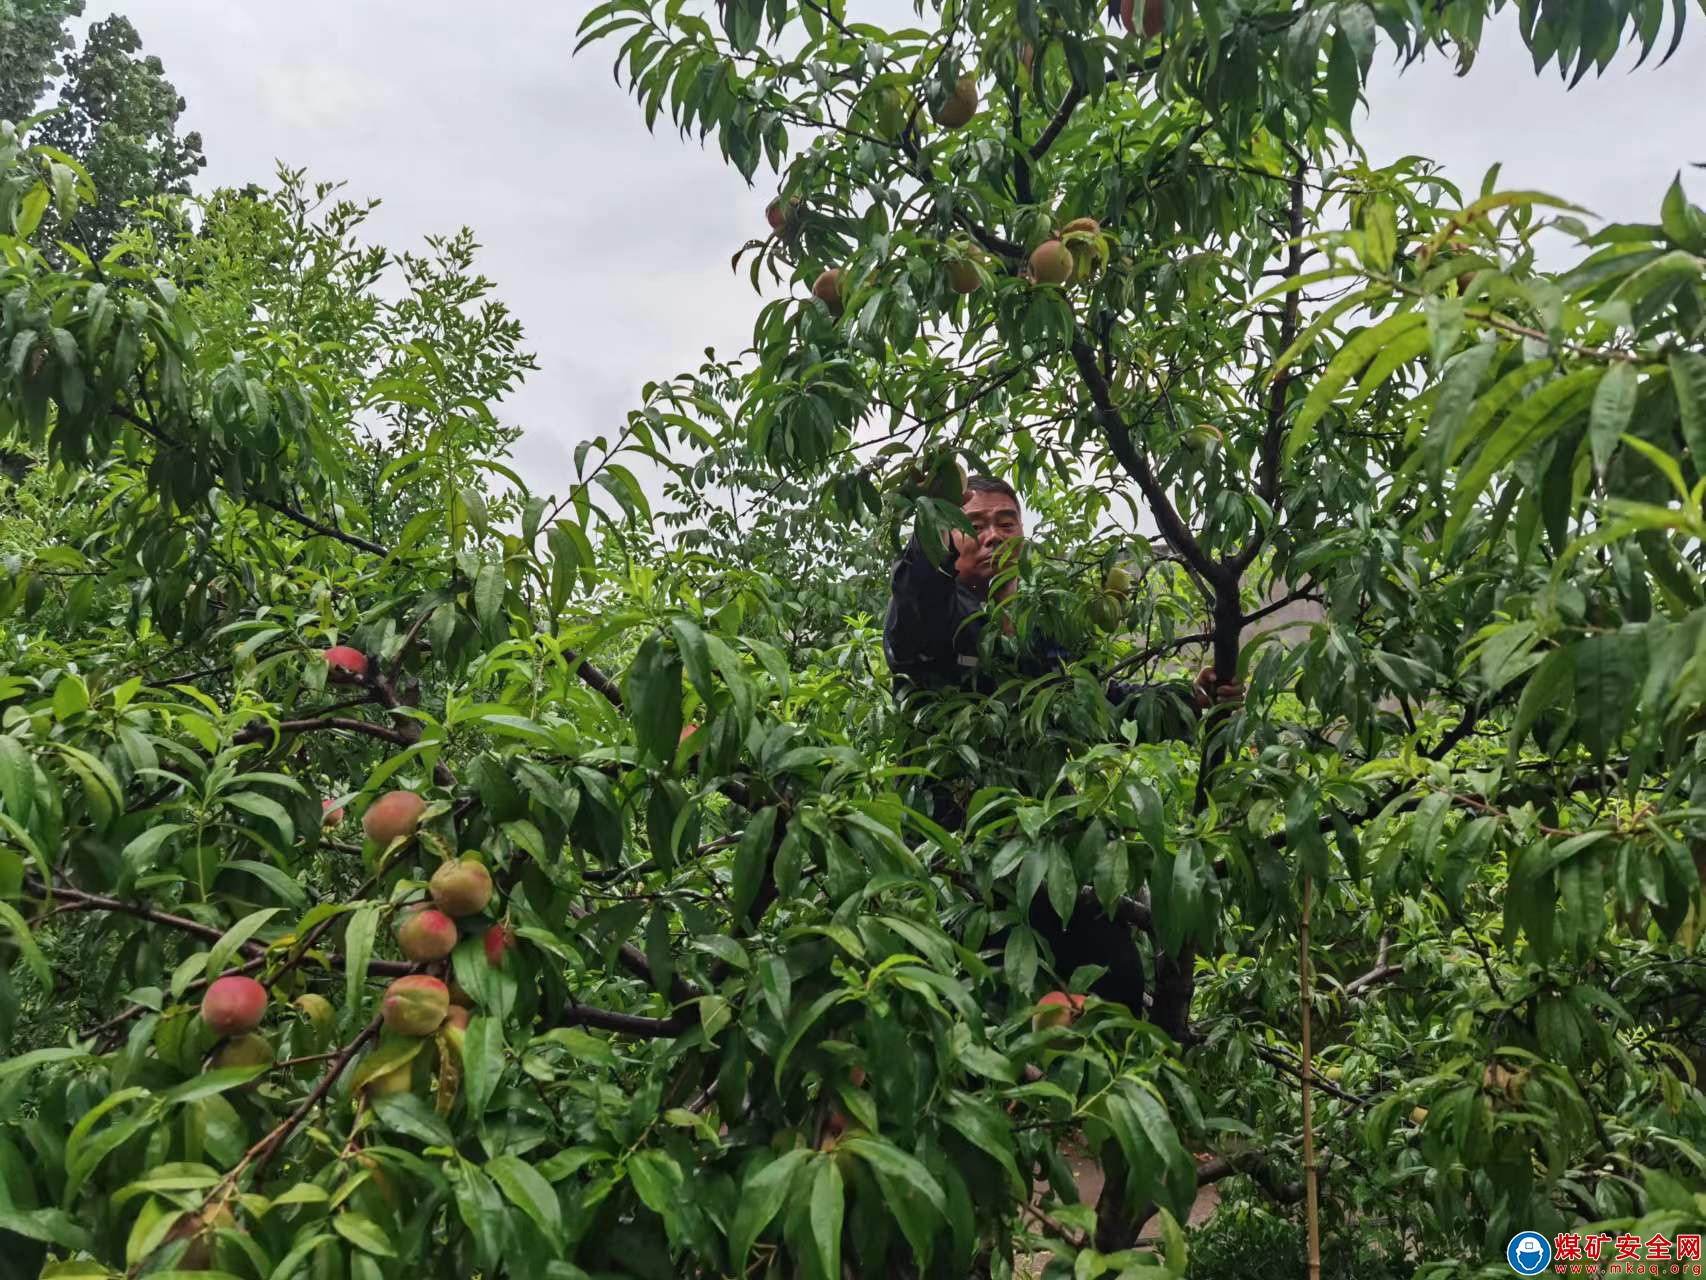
x=114 y=117
x=742 y=1003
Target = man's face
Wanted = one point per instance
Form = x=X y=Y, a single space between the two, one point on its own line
x=996 y=522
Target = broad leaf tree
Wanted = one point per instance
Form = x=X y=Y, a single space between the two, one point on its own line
x=405 y=872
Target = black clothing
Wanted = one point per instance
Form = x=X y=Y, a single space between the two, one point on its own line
x=932 y=632
x=931 y=639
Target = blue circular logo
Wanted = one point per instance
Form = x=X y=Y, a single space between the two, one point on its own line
x=1528 y=1253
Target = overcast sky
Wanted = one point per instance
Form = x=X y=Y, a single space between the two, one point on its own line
x=612 y=245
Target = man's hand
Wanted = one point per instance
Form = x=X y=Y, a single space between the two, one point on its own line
x=1209 y=694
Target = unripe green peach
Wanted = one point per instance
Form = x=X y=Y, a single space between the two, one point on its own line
x=461 y=888
x=252 y=1050
x=397 y=1080
x=317 y=1010
x=415 y=1005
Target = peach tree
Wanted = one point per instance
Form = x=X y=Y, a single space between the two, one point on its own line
x=403 y=872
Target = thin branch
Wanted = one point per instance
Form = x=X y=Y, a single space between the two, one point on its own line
x=1312 y=1208
x=1381 y=971
x=1268 y=482
x=634 y=961
x=1137 y=465
x=1267 y=1055
x=1068 y=105
x=263 y=1151
x=325 y=530
x=283 y=509
x=1305 y=592
x=345 y=724
x=575 y=1014
x=79 y=900
x=1148 y=655
x=595 y=678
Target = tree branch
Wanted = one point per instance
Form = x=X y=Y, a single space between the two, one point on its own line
x=1068 y=105
x=634 y=961
x=283 y=509
x=79 y=900
x=575 y=1014
x=1267 y=485
x=263 y=1151
x=1137 y=465
x=592 y=676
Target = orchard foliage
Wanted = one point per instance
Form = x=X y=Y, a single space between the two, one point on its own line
x=737 y=1004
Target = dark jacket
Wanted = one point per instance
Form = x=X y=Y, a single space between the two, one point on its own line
x=934 y=625
x=931 y=640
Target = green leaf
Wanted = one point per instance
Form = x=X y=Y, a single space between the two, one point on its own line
x=1350 y=359
x=364 y=1233
x=291 y=1264
x=981 y=1124
x=358 y=951
x=523 y=1187
x=140 y=853
x=658 y=953
x=210 y=1083
x=751 y=858
x=1681 y=224
x=1544 y=414
x=653 y=695
x=489 y=595
x=761 y=1196
x=264 y=807
x=583 y=1046
x=657 y=1181
x=696 y=657
x=234 y=937
x=393 y=1051
x=17 y=778
x=1549 y=683
x=33 y=957
x=101 y=791
x=50 y=1226
x=1688 y=380
x=1613 y=405
x=1608 y=669
x=282 y=885
x=908 y=1188
x=828 y=1205
x=70 y=697
x=411 y=1114
x=803 y=1023
x=1180 y=1179
x=25 y=1062
x=1342 y=84
x=482 y=1062
x=1380 y=222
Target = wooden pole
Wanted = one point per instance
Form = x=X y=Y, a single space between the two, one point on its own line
x=1312 y=1214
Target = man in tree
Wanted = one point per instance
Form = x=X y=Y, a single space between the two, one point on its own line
x=932 y=635
x=933 y=640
